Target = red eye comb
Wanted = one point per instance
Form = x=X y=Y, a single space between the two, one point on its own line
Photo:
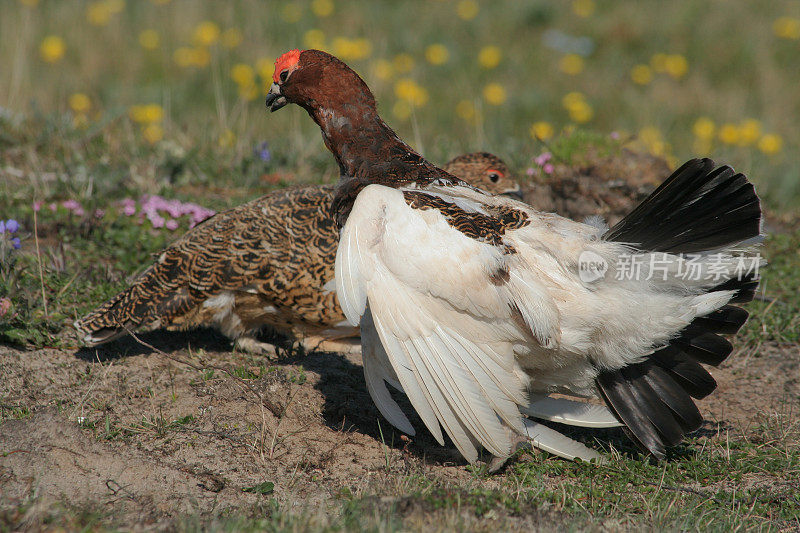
x=285 y=61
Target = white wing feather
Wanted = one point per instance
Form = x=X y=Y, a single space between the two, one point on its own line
x=457 y=370
x=571 y=412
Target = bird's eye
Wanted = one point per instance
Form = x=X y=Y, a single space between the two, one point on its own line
x=494 y=176
x=284 y=74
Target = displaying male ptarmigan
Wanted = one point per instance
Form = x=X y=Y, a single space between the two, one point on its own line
x=263 y=263
x=478 y=307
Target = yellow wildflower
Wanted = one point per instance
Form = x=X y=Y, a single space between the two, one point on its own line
x=322 y=8
x=729 y=134
x=152 y=133
x=770 y=144
x=186 y=56
x=749 y=131
x=383 y=69
x=787 y=28
x=542 y=130
x=80 y=103
x=146 y=114
x=652 y=139
x=410 y=91
x=583 y=8
x=467 y=9
x=489 y=56
x=149 y=39
x=677 y=66
x=465 y=109
x=437 y=54
x=29 y=3
x=52 y=48
x=641 y=74
x=704 y=128
x=242 y=74
x=231 y=38
x=581 y=112
x=351 y=50
x=265 y=67
x=403 y=63
x=315 y=39
x=226 y=139
x=659 y=62
x=206 y=33
x=494 y=94
x=571 y=64
x=98 y=14
x=573 y=99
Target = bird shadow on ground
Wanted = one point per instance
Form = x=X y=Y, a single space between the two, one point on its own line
x=166 y=341
x=347 y=405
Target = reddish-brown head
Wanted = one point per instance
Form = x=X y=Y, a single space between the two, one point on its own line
x=315 y=80
x=285 y=65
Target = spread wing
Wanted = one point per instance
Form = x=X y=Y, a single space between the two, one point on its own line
x=443 y=297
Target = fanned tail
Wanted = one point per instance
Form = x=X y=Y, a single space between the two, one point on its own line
x=699 y=208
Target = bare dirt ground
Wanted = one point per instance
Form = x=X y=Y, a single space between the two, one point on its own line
x=149 y=435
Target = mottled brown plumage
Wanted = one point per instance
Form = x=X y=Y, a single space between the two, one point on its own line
x=264 y=263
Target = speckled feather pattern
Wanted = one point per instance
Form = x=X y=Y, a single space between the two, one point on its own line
x=262 y=264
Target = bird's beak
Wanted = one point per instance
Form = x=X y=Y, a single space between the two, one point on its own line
x=514 y=193
x=275 y=100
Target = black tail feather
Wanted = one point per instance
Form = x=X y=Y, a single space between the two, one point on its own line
x=728 y=320
x=686 y=372
x=697 y=209
x=703 y=345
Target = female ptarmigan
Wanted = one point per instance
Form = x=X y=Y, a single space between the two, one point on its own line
x=263 y=263
x=478 y=307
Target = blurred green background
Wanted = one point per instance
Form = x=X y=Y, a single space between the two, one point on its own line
x=115 y=97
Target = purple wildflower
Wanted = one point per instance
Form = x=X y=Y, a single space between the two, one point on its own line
x=15 y=243
x=70 y=204
x=615 y=135
x=99 y=213
x=548 y=168
x=262 y=152
x=171 y=224
x=543 y=158
x=5 y=306
x=530 y=171
x=12 y=225
x=156 y=220
x=2 y=227
x=37 y=205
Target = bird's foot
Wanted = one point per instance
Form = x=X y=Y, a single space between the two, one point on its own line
x=322 y=344
x=255 y=347
x=496 y=463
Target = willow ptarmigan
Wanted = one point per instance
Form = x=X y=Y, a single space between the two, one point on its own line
x=480 y=307
x=263 y=263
